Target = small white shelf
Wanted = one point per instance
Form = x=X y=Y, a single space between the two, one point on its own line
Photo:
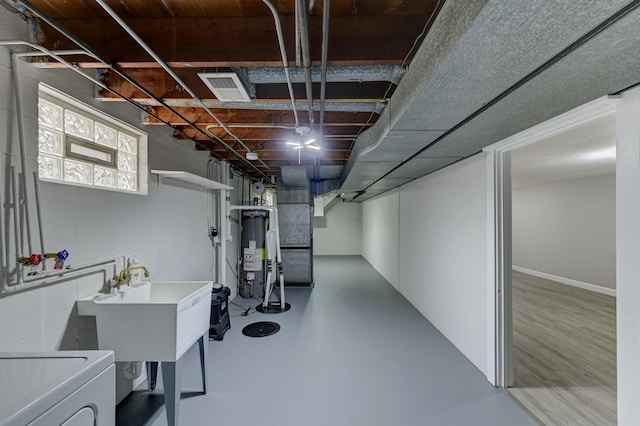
x=191 y=178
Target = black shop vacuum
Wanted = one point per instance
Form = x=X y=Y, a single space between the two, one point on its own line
x=219 y=322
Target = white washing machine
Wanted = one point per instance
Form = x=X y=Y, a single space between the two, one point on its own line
x=74 y=388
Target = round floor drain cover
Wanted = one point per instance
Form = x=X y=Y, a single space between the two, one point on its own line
x=273 y=308
x=261 y=329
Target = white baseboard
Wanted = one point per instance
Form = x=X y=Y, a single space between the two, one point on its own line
x=567 y=281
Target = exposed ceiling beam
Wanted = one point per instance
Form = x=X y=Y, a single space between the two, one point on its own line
x=346 y=133
x=226 y=8
x=82 y=62
x=368 y=42
x=198 y=115
x=327 y=145
x=304 y=162
x=163 y=86
x=270 y=157
x=372 y=39
x=284 y=134
x=343 y=105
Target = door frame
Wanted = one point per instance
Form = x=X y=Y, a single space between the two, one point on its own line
x=499 y=245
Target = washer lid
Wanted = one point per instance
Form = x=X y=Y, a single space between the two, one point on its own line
x=33 y=382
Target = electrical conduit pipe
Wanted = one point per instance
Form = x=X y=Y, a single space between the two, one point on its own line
x=169 y=71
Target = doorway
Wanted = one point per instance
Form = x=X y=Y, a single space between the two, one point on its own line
x=550 y=326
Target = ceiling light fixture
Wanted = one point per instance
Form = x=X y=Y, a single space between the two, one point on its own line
x=305 y=140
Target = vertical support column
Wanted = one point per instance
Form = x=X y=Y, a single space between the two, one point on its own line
x=499 y=310
x=172 y=382
x=628 y=256
x=493 y=318
x=504 y=267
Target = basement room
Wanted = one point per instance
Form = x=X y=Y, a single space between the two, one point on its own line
x=319 y=212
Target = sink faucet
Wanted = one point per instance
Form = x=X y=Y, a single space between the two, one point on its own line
x=124 y=277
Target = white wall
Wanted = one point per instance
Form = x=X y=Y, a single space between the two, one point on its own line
x=567 y=229
x=381 y=236
x=339 y=231
x=442 y=250
x=167 y=229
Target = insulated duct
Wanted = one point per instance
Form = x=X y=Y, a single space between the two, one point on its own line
x=295 y=176
x=335 y=74
x=296 y=224
x=470 y=85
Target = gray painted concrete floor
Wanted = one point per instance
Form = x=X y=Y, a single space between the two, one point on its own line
x=352 y=351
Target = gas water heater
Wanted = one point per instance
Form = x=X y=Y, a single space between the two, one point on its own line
x=253 y=257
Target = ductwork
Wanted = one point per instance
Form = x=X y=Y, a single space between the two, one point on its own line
x=295 y=208
x=355 y=73
x=376 y=107
x=298 y=177
x=486 y=70
x=322 y=187
x=295 y=176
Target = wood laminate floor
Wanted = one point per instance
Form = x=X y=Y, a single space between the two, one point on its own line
x=564 y=352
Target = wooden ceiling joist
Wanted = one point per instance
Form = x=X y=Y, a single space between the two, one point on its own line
x=238 y=41
x=290 y=155
x=227 y=8
x=269 y=134
x=303 y=162
x=327 y=145
x=158 y=82
x=194 y=36
x=199 y=115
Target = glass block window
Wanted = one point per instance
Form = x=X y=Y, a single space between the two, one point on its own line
x=80 y=145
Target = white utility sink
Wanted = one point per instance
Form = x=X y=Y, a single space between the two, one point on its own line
x=152 y=321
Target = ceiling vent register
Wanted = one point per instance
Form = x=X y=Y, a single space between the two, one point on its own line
x=226 y=86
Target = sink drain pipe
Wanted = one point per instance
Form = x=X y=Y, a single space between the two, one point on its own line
x=132 y=370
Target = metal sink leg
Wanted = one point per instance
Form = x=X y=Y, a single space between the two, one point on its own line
x=172 y=381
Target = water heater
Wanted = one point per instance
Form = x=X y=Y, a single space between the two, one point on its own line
x=253 y=253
